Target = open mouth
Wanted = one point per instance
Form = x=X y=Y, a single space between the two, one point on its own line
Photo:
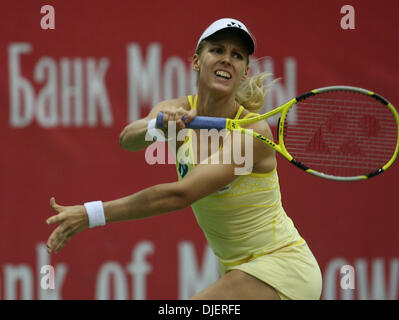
x=223 y=74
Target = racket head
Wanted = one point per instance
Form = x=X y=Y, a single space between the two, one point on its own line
x=340 y=133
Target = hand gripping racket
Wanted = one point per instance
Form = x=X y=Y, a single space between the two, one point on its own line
x=339 y=132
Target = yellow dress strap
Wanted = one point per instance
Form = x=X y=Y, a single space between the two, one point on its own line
x=193 y=105
x=192 y=102
x=240 y=110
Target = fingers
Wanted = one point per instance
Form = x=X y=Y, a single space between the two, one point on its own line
x=61 y=244
x=56 y=245
x=71 y=220
x=53 y=241
x=55 y=206
x=180 y=125
x=61 y=236
x=190 y=116
x=58 y=239
x=55 y=219
x=175 y=115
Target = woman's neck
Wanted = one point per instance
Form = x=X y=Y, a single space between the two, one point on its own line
x=211 y=106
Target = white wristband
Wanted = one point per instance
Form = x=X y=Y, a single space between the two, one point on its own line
x=95 y=211
x=152 y=124
x=156 y=133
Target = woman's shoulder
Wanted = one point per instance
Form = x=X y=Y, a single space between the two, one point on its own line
x=261 y=126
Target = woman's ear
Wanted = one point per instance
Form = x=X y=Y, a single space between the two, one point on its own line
x=195 y=63
x=245 y=75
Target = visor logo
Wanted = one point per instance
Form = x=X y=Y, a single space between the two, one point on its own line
x=234 y=24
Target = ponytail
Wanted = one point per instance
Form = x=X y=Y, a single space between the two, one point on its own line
x=252 y=91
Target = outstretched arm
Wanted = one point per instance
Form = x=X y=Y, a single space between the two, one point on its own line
x=204 y=179
x=146 y=203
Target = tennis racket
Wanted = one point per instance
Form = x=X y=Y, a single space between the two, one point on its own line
x=340 y=132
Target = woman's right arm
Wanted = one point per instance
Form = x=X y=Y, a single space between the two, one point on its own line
x=132 y=137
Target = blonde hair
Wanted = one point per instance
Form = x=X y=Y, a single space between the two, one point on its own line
x=252 y=91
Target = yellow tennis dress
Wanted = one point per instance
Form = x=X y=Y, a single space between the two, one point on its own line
x=247 y=228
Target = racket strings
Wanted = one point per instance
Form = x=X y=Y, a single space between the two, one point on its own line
x=341 y=133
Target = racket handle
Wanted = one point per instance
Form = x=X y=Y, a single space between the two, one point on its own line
x=198 y=122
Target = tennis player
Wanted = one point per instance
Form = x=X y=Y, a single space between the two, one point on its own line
x=260 y=252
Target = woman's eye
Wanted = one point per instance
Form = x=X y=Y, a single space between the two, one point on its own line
x=217 y=50
x=238 y=56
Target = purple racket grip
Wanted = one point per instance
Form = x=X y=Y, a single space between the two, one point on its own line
x=160 y=120
x=198 y=122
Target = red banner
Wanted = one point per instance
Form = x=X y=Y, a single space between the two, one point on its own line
x=76 y=73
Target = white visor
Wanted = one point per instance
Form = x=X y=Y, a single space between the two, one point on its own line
x=227 y=23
